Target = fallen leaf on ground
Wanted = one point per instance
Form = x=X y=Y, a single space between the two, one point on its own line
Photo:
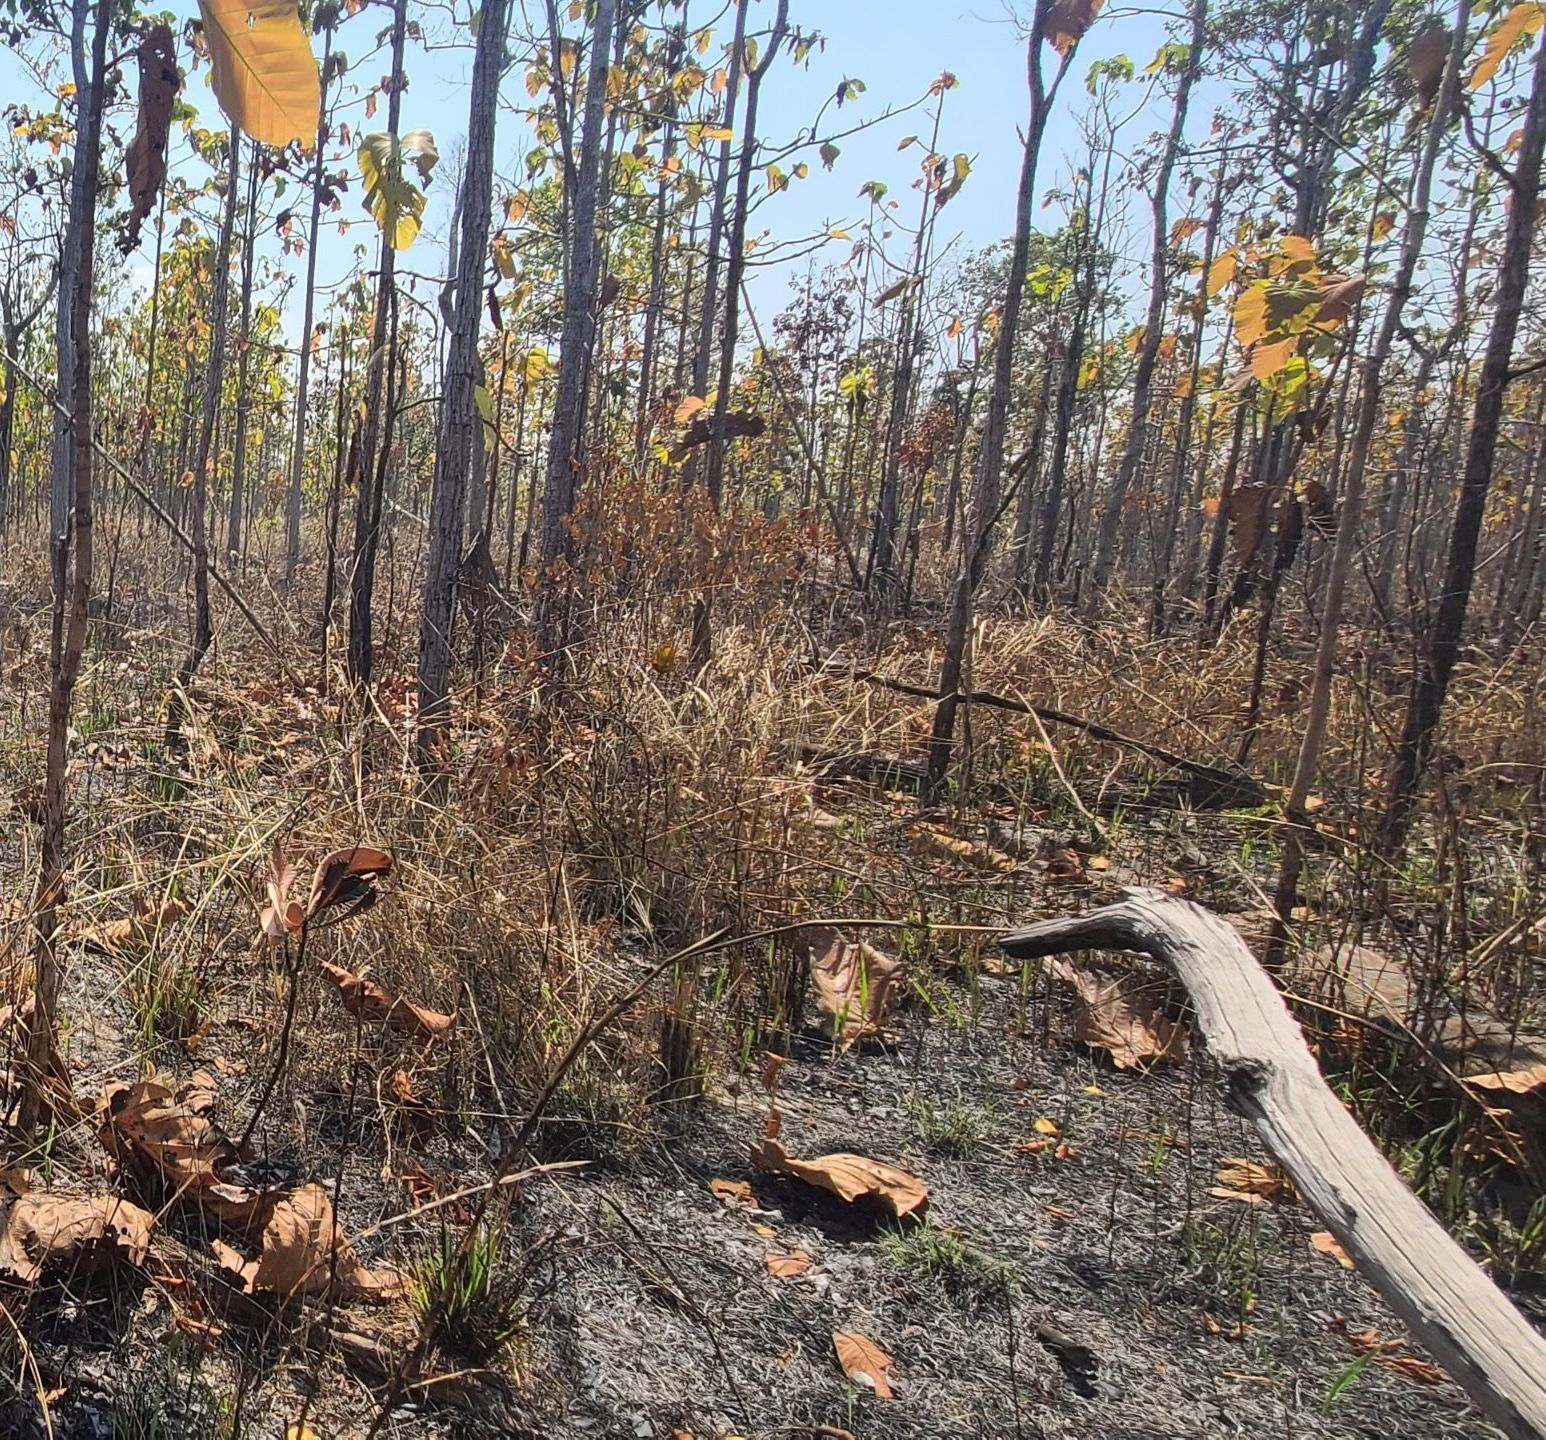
x=952 y=848
x=411 y=1114
x=363 y=997
x=1122 y=1014
x=167 y=1136
x=855 y=983
x=849 y=1177
x=864 y=1362
x=139 y=930
x=37 y=1228
x=1065 y=864
x=302 y=1252
x=1325 y=1242
x=1389 y=1351
x=1529 y=1080
x=1245 y=1180
x=787 y=1266
x=1044 y=1126
x=731 y=1190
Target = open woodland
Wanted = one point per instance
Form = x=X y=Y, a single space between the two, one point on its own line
x=538 y=684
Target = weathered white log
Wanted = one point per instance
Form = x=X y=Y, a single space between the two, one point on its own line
x=1467 y=1324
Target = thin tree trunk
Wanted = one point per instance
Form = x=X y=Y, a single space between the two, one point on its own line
x=1432 y=680
x=70 y=532
x=198 y=494
x=457 y=431
x=374 y=432
x=233 y=534
x=977 y=527
x=579 y=316
x=308 y=311
x=1148 y=349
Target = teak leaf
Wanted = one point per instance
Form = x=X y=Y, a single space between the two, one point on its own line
x=262 y=70
x=146 y=157
x=864 y=1362
x=394 y=201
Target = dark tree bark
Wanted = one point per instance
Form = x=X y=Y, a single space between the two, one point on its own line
x=1431 y=683
x=375 y=430
x=564 y=452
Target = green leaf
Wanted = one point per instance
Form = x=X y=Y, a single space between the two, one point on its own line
x=394 y=201
x=829 y=153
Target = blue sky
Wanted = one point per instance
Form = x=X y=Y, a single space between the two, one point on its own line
x=897 y=47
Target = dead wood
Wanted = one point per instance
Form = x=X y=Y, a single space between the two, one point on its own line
x=1223 y=785
x=1450 y=1305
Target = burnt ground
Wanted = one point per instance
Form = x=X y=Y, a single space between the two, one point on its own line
x=664 y=1316
x=650 y=1310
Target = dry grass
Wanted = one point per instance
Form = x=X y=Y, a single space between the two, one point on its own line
x=602 y=816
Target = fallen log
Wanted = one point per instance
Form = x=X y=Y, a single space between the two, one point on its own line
x=1467 y=1324
x=1227 y=785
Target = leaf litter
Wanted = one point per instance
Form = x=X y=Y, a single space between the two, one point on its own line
x=1123 y=1014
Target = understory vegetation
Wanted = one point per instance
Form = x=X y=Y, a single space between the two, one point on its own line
x=520 y=751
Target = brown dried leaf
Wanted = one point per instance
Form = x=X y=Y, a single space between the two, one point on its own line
x=302 y=1251
x=1326 y=1243
x=363 y=997
x=955 y=850
x=138 y=932
x=1065 y=864
x=1339 y=298
x=1247 y=514
x=347 y=877
x=1241 y=1179
x=787 y=1266
x=1531 y=1080
x=1426 y=58
x=1067 y=20
x=731 y=1191
x=281 y=916
x=864 y=1362
x=854 y=983
x=849 y=1177
x=1123 y=1014
x=146 y=156
x=39 y=1227
x=158 y=1134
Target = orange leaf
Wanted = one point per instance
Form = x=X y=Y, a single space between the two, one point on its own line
x=787 y=1266
x=1325 y=1242
x=864 y=1362
x=849 y=1177
x=363 y=997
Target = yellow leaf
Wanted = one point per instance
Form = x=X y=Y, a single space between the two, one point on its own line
x=1520 y=21
x=1251 y=314
x=1267 y=360
x=1222 y=271
x=263 y=71
x=688 y=408
x=1044 y=1126
x=838 y=233
x=1297 y=250
x=1384 y=223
